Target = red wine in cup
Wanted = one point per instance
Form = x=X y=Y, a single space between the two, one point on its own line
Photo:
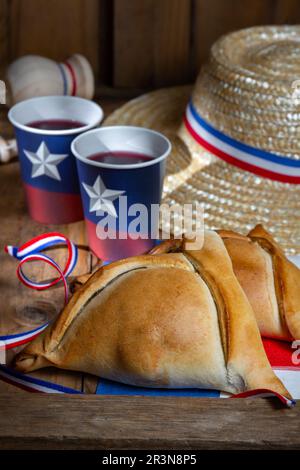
x=120 y=158
x=56 y=124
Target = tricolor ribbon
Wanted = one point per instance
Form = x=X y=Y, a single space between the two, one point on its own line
x=12 y=341
x=254 y=160
x=31 y=251
x=265 y=393
x=32 y=384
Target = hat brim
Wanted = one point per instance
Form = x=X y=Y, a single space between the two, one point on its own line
x=232 y=198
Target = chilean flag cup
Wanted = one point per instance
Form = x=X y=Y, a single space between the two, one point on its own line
x=48 y=167
x=118 y=198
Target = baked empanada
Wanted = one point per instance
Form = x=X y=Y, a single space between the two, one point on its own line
x=173 y=320
x=270 y=281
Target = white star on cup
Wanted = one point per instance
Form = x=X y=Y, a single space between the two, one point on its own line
x=44 y=162
x=101 y=198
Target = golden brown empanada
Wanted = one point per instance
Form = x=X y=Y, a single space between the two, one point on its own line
x=171 y=320
x=270 y=281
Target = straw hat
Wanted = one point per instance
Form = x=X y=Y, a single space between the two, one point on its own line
x=237 y=150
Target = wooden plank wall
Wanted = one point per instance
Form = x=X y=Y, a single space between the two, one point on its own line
x=151 y=49
x=137 y=44
x=54 y=28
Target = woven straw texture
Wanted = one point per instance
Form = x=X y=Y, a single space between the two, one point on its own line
x=246 y=91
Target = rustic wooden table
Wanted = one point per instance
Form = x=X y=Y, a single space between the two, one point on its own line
x=37 y=421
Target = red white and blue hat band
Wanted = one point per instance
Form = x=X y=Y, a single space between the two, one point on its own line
x=257 y=161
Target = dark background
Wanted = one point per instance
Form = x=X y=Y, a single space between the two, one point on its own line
x=132 y=44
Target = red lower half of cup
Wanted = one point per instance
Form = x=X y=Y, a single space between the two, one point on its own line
x=49 y=207
x=119 y=247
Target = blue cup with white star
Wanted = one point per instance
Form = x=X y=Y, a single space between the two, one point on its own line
x=121 y=171
x=45 y=128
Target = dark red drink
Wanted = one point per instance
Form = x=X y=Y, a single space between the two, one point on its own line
x=56 y=124
x=120 y=158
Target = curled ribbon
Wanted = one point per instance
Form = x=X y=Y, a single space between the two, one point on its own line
x=31 y=251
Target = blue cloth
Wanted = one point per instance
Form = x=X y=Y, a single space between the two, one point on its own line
x=108 y=387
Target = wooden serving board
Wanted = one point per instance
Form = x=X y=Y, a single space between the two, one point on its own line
x=37 y=421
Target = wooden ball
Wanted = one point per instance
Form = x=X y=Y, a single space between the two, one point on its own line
x=33 y=75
